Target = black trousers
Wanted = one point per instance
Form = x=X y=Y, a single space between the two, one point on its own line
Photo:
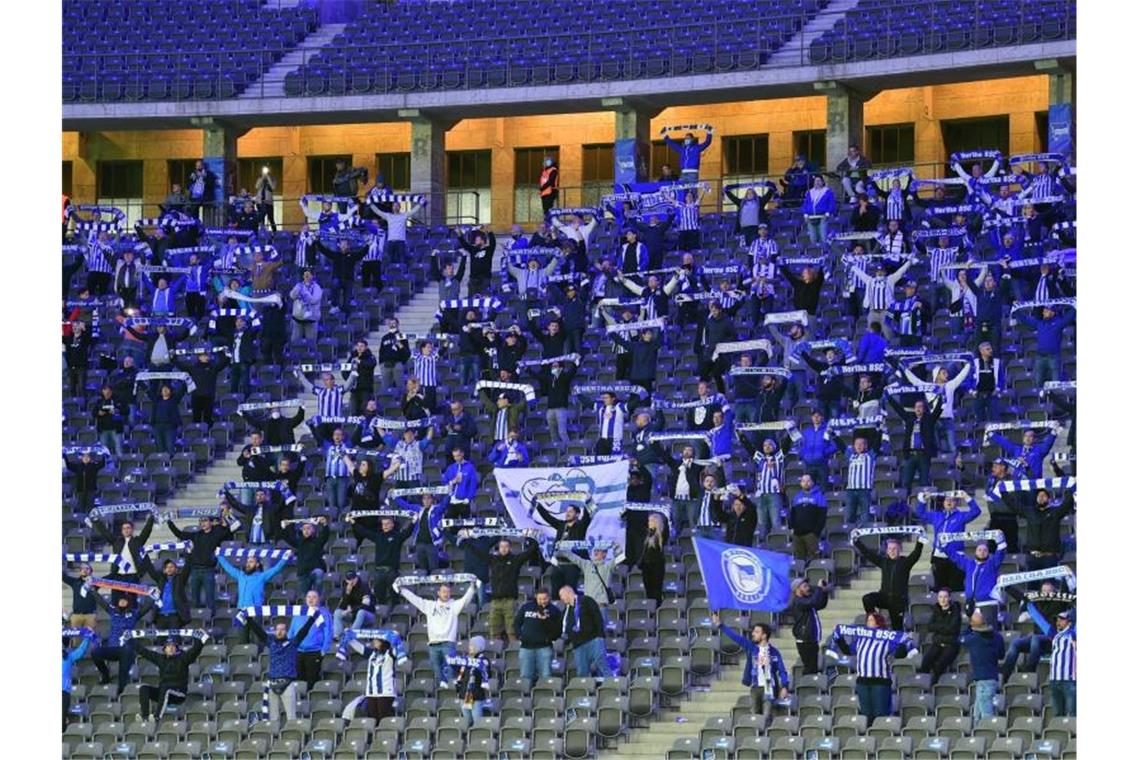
x=159 y=698
x=66 y=708
x=937 y=659
x=1007 y=524
x=202 y=409
x=99 y=283
x=264 y=213
x=603 y=447
x=548 y=202
x=196 y=306
x=947 y=574
x=622 y=366
x=894 y=606
x=809 y=656
x=370 y=274
x=379 y=708
x=653 y=576
x=309 y=667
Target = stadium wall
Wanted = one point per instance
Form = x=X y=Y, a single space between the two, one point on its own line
x=1021 y=98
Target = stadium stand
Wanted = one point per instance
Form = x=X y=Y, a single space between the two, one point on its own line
x=749 y=324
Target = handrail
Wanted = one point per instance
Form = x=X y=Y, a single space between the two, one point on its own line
x=461 y=74
x=213 y=214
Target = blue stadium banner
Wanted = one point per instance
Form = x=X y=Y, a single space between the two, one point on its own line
x=1061 y=129
x=631 y=161
x=743 y=578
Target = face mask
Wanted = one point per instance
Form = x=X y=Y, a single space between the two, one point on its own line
x=548 y=163
x=688 y=141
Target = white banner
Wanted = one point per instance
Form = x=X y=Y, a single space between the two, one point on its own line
x=521 y=488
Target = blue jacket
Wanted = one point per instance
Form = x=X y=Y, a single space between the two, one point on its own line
x=991 y=302
x=435 y=515
x=985 y=652
x=1050 y=332
x=498 y=456
x=74 y=656
x=981 y=577
x=690 y=154
x=872 y=348
x=319 y=639
x=1033 y=456
x=779 y=672
x=816 y=446
x=720 y=441
x=468 y=486
x=954 y=522
x=826 y=204
x=251 y=586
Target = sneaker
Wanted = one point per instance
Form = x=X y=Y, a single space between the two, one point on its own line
x=139 y=717
x=443 y=684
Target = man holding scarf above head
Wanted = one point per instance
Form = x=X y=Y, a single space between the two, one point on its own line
x=573 y=527
x=251 y=580
x=1042 y=608
x=981 y=572
x=203 y=563
x=82 y=598
x=132 y=561
x=689 y=152
x=308 y=543
x=893 y=594
x=1031 y=453
x=764 y=671
x=173 y=675
x=281 y=679
x=125 y=615
x=946 y=520
x=442 y=616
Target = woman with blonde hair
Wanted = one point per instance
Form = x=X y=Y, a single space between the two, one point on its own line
x=652 y=562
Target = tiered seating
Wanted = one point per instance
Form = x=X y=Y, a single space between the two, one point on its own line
x=131 y=50
x=666 y=651
x=890 y=28
x=406 y=46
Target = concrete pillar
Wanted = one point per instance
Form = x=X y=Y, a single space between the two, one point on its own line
x=844 y=120
x=631 y=140
x=1062 y=131
x=219 y=153
x=429 y=166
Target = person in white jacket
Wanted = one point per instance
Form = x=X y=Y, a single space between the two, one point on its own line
x=577 y=231
x=963 y=302
x=397 y=246
x=442 y=624
x=879 y=291
x=947 y=387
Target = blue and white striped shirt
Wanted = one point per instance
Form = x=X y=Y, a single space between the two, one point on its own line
x=706 y=518
x=96 y=257
x=424 y=369
x=769 y=472
x=879 y=294
x=611 y=423
x=763 y=248
x=728 y=300
x=335 y=466
x=940 y=257
x=501 y=425
x=411 y=458
x=1063 y=661
x=860 y=470
x=874 y=648
x=329 y=400
x=688 y=216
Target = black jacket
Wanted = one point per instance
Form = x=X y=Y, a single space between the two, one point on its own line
x=693 y=474
x=805 y=625
x=136 y=542
x=310 y=551
x=1043 y=526
x=739 y=529
x=256 y=466
x=205 y=376
x=343 y=265
x=273 y=324
x=925 y=427
x=277 y=431
x=505 y=570
x=388 y=545
x=365 y=369
x=201 y=555
x=589 y=624
x=359 y=598
x=80 y=604
x=713 y=332
x=247 y=352
x=181 y=597
x=85 y=477
x=480 y=257
x=946 y=625
x=77 y=349
x=535 y=627
x=557 y=389
x=562 y=532
x=896 y=572
x=394 y=348
x=173 y=672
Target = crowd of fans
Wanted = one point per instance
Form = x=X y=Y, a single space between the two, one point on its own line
x=931 y=279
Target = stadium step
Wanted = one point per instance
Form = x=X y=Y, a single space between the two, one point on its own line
x=272 y=82
x=794 y=51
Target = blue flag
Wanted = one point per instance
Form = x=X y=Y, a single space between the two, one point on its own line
x=743 y=578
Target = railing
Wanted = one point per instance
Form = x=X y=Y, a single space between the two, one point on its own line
x=598 y=62
x=287 y=211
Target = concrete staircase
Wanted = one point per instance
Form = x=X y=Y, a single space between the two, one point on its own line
x=794 y=51
x=272 y=82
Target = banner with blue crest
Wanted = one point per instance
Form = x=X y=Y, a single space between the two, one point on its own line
x=600 y=488
x=744 y=578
